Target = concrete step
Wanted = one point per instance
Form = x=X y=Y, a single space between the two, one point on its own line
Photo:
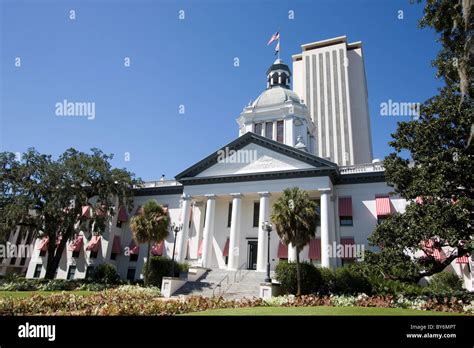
x=245 y=284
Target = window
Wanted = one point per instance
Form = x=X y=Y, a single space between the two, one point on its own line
x=345 y=211
x=229 y=215
x=131 y=273
x=94 y=254
x=89 y=272
x=346 y=262
x=42 y=253
x=119 y=223
x=280 y=129
x=71 y=272
x=133 y=257
x=12 y=260
x=269 y=130
x=258 y=128
x=76 y=253
x=113 y=256
x=256 y=213
x=37 y=270
x=381 y=218
x=345 y=220
x=22 y=261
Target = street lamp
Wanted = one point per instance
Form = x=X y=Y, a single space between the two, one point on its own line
x=266 y=226
x=176 y=228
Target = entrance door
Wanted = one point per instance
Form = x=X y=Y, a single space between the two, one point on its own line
x=252 y=255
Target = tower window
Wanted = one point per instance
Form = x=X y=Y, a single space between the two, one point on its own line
x=258 y=128
x=280 y=131
x=269 y=130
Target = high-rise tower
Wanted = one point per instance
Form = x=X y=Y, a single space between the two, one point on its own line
x=330 y=76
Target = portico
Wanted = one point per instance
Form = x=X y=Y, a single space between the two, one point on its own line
x=233 y=209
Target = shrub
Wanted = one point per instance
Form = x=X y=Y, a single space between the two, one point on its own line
x=161 y=267
x=310 y=277
x=347 y=280
x=106 y=274
x=92 y=287
x=135 y=289
x=445 y=282
x=20 y=284
x=382 y=286
x=59 y=285
x=327 y=281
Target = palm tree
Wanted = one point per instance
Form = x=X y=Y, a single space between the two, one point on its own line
x=150 y=226
x=294 y=215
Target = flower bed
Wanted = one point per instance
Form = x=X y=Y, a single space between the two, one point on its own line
x=133 y=300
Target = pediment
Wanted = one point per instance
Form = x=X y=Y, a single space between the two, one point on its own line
x=250 y=159
x=254 y=154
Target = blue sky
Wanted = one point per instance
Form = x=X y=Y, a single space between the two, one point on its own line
x=184 y=62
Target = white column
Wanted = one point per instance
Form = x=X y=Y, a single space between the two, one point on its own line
x=262 y=242
x=184 y=233
x=208 y=230
x=234 y=247
x=291 y=253
x=325 y=227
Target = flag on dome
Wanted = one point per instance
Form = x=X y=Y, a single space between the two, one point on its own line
x=274 y=37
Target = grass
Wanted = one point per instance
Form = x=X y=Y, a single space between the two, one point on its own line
x=24 y=294
x=320 y=310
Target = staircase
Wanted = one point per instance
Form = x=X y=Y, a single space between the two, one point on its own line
x=235 y=286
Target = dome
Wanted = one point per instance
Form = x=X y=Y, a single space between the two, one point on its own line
x=274 y=96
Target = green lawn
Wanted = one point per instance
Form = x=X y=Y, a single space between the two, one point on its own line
x=23 y=294
x=321 y=310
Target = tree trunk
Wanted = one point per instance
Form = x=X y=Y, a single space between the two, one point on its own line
x=54 y=256
x=50 y=269
x=298 y=274
x=147 y=269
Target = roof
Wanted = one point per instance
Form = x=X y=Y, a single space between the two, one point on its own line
x=320 y=164
x=275 y=96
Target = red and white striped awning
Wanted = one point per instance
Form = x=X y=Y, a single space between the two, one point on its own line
x=225 y=252
x=86 y=211
x=200 y=248
x=122 y=214
x=383 y=206
x=419 y=200
x=429 y=250
x=282 y=250
x=76 y=244
x=345 y=206
x=314 y=252
x=94 y=244
x=157 y=248
x=463 y=259
x=43 y=244
x=134 y=248
x=348 y=249
x=101 y=211
x=116 y=245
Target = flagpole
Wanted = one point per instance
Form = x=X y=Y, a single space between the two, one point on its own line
x=279 y=46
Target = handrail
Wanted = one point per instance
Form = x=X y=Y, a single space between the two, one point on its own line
x=219 y=285
x=239 y=270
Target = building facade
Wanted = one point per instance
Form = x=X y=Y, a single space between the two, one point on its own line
x=330 y=76
x=223 y=200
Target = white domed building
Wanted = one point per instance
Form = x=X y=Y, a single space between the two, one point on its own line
x=223 y=200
